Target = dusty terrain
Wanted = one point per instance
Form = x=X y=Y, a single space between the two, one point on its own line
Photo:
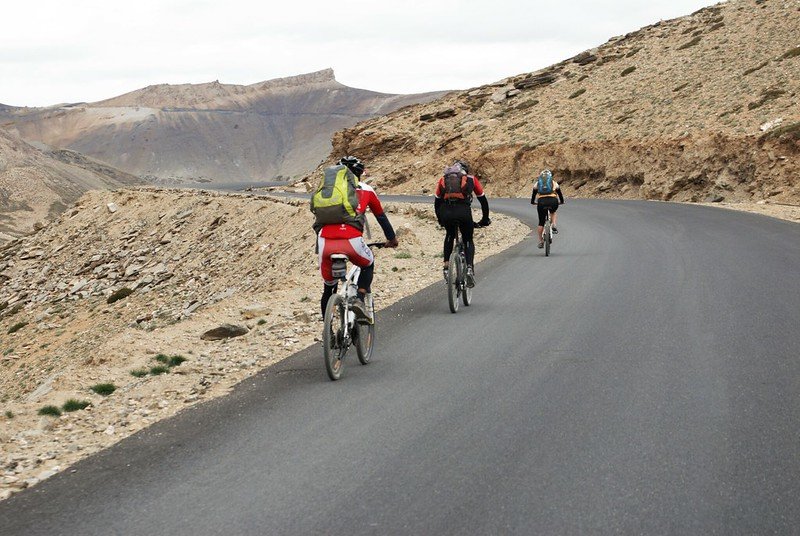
x=210 y=133
x=700 y=108
x=37 y=184
x=194 y=261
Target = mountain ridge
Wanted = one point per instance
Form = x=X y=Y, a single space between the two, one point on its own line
x=211 y=133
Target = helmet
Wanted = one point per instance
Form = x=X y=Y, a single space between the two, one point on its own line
x=546 y=174
x=353 y=164
x=463 y=165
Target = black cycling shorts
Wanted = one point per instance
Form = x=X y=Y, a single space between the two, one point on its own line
x=545 y=204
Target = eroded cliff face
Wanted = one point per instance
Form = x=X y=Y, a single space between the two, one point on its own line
x=211 y=133
x=704 y=107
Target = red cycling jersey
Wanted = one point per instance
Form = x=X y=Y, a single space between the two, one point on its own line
x=367 y=198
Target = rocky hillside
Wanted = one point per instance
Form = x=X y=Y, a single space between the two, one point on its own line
x=210 y=133
x=123 y=282
x=37 y=184
x=696 y=108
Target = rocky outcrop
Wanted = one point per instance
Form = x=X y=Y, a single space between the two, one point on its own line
x=645 y=115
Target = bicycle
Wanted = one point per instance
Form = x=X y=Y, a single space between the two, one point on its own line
x=457 y=275
x=341 y=329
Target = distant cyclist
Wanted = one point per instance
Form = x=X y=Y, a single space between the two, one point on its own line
x=346 y=236
x=549 y=193
x=452 y=204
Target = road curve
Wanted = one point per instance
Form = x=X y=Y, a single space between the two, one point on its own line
x=643 y=379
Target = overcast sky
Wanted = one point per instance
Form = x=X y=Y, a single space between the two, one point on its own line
x=54 y=51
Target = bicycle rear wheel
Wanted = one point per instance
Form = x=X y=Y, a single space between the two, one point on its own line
x=333 y=343
x=453 y=277
x=547 y=238
x=365 y=340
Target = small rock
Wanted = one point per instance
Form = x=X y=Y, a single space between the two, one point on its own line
x=715 y=198
x=254 y=311
x=112 y=207
x=225 y=331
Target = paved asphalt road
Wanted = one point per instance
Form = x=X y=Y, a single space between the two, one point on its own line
x=643 y=379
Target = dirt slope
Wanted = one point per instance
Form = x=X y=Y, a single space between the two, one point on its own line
x=218 y=133
x=696 y=108
x=36 y=185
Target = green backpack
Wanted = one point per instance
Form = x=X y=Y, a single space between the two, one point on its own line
x=336 y=200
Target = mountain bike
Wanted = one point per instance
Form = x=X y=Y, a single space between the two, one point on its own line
x=341 y=328
x=457 y=274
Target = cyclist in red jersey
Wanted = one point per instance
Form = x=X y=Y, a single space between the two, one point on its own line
x=345 y=239
x=452 y=206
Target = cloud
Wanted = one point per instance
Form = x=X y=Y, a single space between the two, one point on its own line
x=90 y=50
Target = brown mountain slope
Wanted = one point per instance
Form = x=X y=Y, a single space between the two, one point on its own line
x=36 y=185
x=211 y=132
x=701 y=106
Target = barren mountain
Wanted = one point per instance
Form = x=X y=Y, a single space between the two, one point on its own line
x=703 y=107
x=213 y=132
x=36 y=185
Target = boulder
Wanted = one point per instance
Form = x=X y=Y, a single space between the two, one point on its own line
x=225 y=331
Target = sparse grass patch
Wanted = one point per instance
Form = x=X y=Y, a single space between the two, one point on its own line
x=394 y=268
x=16 y=327
x=162 y=358
x=103 y=389
x=75 y=405
x=139 y=373
x=9 y=414
x=176 y=360
x=304 y=299
x=160 y=369
x=51 y=411
x=627 y=71
x=261 y=322
x=583 y=77
x=124 y=292
x=402 y=255
x=581 y=91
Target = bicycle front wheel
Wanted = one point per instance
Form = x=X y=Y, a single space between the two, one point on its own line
x=453 y=275
x=365 y=340
x=333 y=342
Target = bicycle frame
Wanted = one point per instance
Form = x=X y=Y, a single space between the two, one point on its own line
x=347 y=291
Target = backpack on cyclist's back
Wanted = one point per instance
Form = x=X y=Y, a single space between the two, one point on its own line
x=458 y=186
x=545 y=185
x=335 y=199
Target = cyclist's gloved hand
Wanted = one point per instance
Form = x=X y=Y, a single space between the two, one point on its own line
x=391 y=243
x=485 y=222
